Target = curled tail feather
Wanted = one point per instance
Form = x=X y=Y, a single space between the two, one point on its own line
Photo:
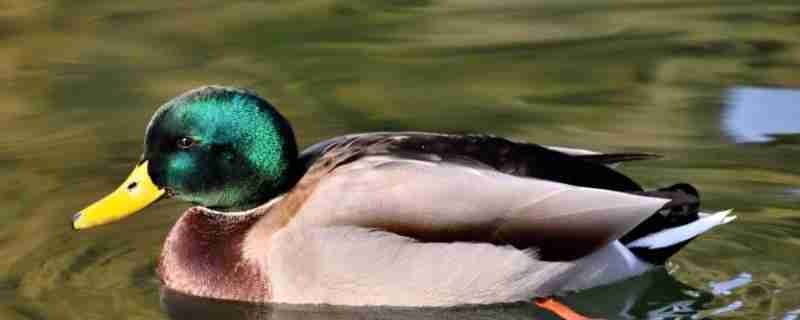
x=673 y=226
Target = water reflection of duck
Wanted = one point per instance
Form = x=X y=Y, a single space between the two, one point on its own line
x=403 y=219
x=653 y=295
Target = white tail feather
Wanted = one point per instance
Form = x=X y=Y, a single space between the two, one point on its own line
x=668 y=237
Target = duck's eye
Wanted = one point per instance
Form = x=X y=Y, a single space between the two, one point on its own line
x=185 y=142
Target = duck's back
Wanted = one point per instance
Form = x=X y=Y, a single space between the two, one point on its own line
x=579 y=168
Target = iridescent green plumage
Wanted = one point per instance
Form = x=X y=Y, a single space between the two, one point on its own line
x=243 y=151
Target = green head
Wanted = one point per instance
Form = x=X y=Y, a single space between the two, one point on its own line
x=220 y=147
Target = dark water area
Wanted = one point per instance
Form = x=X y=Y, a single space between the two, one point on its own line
x=82 y=78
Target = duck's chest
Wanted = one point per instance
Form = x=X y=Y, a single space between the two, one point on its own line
x=202 y=256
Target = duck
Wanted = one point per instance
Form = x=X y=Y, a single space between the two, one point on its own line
x=407 y=219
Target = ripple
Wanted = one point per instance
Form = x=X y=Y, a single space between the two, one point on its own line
x=727 y=287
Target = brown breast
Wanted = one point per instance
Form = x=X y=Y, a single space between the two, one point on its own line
x=202 y=256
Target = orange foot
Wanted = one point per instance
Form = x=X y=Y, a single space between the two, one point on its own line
x=558 y=308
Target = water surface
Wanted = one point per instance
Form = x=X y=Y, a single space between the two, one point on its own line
x=81 y=79
x=762 y=114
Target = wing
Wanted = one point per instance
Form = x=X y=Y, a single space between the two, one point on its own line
x=447 y=201
x=572 y=166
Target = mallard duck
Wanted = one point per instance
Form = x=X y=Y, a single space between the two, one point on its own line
x=388 y=218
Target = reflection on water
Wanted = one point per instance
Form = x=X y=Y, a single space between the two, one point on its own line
x=758 y=114
x=792 y=315
x=733 y=306
x=727 y=287
x=654 y=295
x=81 y=79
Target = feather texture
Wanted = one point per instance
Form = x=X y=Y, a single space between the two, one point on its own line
x=563 y=222
x=680 y=234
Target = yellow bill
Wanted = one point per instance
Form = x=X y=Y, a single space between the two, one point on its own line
x=136 y=193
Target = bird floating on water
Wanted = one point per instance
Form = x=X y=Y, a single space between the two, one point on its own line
x=389 y=218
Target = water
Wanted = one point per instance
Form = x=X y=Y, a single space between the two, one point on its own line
x=81 y=79
x=762 y=114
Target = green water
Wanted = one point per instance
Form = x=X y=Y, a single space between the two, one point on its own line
x=81 y=79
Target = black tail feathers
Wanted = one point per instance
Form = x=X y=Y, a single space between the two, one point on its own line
x=614 y=158
x=682 y=209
